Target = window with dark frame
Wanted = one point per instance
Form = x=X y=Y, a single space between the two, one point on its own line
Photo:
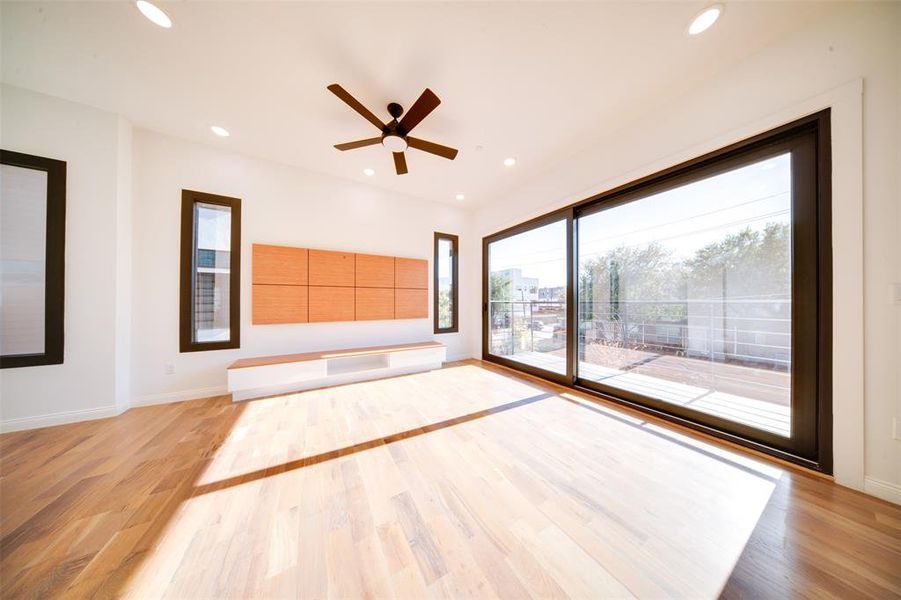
x=446 y=283
x=701 y=294
x=32 y=260
x=210 y=278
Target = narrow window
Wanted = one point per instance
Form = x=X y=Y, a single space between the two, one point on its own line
x=210 y=272
x=32 y=259
x=446 y=311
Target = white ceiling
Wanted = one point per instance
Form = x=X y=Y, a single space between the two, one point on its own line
x=532 y=80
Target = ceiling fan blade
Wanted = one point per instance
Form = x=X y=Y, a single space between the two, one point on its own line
x=358 y=143
x=355 y=104
x=400 y=163
x=425 y=104
x=432 y=148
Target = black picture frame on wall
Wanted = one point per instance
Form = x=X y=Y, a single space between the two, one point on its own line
x=55 y=256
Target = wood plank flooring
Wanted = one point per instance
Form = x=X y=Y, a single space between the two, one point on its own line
x=465 y=482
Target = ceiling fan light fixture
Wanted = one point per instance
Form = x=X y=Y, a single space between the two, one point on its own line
x=394 y=143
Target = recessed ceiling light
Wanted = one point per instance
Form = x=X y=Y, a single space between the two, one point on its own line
x=461 y=197
x=509 y=162
x=368 y=172
x=220 y=131
x=705 y=19
x=154 y=13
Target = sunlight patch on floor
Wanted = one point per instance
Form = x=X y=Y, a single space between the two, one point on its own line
x=281 y=429
x=591 y=502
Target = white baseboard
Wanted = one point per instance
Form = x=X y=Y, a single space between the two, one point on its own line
x=59 y=418
x=179 y=396
x=883 y=489
x=103 y=412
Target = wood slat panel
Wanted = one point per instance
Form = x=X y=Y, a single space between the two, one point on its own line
x=374 y=271
x=411 y=304
x=332 y=268
x=374 y=304
x=331 y=304
x=411 y=273
x=279 y=304
x=282 y=265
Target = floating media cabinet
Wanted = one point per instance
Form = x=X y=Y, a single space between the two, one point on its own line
x=270 y=375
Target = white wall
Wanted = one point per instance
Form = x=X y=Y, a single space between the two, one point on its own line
x=89 y=141
x=786 y=80
x=124 y=190
x=122 y=239
x=280 y=205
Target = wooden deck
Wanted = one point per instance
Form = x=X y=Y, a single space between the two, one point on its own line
x=466 y=482
x=755 y=397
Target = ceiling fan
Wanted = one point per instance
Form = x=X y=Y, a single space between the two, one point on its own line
x=395 y=134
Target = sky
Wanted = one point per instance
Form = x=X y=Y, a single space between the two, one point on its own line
x=682 y=219
x=213 y=227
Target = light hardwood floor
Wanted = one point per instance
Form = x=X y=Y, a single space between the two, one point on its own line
x=469 y=481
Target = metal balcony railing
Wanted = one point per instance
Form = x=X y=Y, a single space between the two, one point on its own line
x=752 y=331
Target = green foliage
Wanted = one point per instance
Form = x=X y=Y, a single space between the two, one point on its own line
x=500 y=287
x=628 y=274
x=750 y=263
x=445 y=316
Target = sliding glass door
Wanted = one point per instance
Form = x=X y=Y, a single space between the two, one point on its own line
x=685 y=295
x=527 y=297
x=701 y=294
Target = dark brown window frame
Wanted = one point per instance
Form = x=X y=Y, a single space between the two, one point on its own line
x=455 y=282
x=811 y=294
x=54 y=257
x=186 y=281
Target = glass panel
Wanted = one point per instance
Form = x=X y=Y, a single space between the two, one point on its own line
x=445 y=261
x=527 y=297
x=685 y=296
x=23 y=243
x=212 y=260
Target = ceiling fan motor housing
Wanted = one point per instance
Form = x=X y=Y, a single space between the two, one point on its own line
x=395 y=110
x=394 y=138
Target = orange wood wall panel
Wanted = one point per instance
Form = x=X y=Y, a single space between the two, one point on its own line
x=411 y=273
x=300 y=285
x=374 y=271
x=279 y=304
x=281 y=265
x=411 y=304
x=332 y=268
x=331 y=304
x=374 y=304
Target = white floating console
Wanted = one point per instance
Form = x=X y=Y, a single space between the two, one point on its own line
x=269 y=375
